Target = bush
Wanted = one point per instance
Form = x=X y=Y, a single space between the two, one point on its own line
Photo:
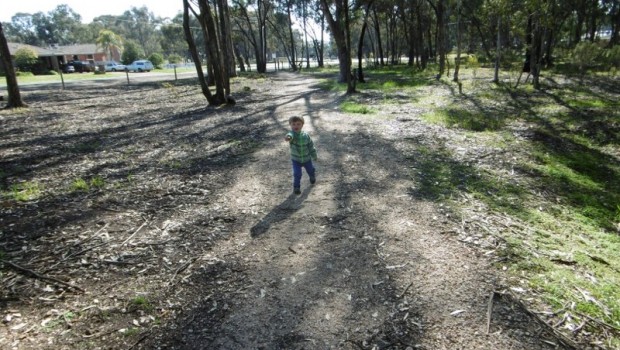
x=157 y=59
x=131 y=52
x=585 y=54
x=611 y=57
x=175 y=58
x=26 y=59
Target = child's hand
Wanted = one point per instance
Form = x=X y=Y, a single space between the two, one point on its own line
x=288 y=138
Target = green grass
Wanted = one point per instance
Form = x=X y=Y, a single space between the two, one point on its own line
x=141 y=302
x=565 y=193
x=465 y=119
x=355 y=108
x=79 y=185
x=97 y=182
x=25 y=191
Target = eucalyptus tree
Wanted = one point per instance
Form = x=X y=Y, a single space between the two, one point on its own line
x=141 y=25
x=215 y=41
x=281 y=30
x=339 y=23
x=59 y=26
x=173 y=38
x=14 y=98
x=250 y=18
x=21 y=29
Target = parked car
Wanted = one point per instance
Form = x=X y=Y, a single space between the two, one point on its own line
x=67 y=68
x=114 y=67
x=140 y=66
x=81 y=66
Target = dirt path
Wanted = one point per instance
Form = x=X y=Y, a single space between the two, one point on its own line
x=357 y=261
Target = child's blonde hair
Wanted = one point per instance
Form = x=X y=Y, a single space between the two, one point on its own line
x=296 y=119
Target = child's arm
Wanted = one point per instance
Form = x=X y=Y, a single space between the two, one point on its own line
x=288 y=137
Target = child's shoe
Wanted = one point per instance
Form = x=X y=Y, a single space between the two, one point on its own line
x=296 y=190
x=313 y=180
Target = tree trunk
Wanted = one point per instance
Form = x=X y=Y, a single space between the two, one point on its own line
x=320 y=58
x=226 y=30
x=536 y=50
x=339 y=25
x=239 y=59
x=14 y=99
x=360 y=45
x=305 y=18
x=441 y=36
x=216 y=52
x=422 y=49
x=581 y=17
x=194 y=53
x=378 y=34
x=293 y=60
x=498 y=50
x=615 y=25
x=457 y=61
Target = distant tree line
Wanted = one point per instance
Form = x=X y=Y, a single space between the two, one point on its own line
x=232 y=34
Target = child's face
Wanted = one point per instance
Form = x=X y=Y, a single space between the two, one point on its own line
x=296 y=126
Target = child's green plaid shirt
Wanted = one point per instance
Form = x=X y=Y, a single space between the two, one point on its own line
x=302 y=147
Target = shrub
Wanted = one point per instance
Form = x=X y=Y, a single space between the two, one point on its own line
x=157 y=59
x=26 y=59
x=174 y=58
x=585 y=54
x=611 y=57
x=131 y=52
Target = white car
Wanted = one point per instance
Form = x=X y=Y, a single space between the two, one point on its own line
x=114 y=67
x=140 y=66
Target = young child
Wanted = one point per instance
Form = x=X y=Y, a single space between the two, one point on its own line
x=302 y=152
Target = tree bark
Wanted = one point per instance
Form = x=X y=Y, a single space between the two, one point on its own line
x=14 y=99
x=216 y=52
x=498 y=50
x=293 y=60
x=378 y=34
x=339 y=25
x=194 y=53
x=360 y=45
x=457 y=61
x=226 y=30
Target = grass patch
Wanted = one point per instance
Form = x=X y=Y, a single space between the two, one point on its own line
x=355 y=108
x=79 y=185
x=97 y=182
x=331 y=85
x=465 y=119
x=25 y=191
x=140 y=302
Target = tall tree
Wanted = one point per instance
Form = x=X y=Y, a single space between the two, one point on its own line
x=360 y=43
x=21 y=29
x=140 y=25
x=340 y=28
x=14 y=98
x=215 y=47
x=254 y=28
x=110 y=43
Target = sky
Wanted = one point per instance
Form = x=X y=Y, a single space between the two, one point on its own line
x=89 y=9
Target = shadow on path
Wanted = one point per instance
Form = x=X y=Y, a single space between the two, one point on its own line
x=280 y=212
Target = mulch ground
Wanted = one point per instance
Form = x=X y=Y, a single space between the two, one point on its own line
x=149 y=220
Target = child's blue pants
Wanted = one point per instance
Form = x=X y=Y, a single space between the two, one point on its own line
x=297 y=172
